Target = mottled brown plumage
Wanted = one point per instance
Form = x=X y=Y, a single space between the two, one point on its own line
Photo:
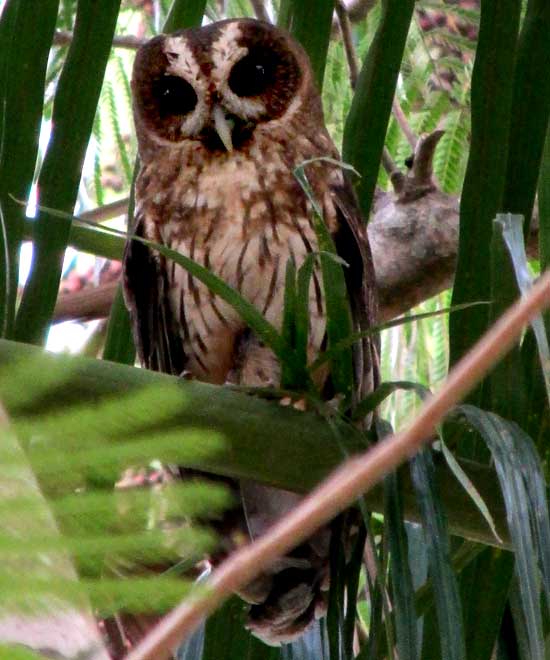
x=223 y=115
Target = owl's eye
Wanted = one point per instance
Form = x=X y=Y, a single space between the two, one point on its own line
x=174 y=95
x=251 y=76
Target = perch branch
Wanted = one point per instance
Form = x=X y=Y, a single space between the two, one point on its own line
x=282 y=464
x=413 y=235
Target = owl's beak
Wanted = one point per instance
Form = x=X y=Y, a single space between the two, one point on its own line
x=223 y=127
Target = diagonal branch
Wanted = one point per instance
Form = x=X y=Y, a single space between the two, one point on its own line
x=346 y=484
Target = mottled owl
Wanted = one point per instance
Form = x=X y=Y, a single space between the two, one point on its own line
x=224 y=114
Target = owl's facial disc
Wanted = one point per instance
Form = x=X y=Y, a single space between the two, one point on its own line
x=218 y=84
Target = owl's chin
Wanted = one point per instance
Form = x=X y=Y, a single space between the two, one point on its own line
x=241 y=135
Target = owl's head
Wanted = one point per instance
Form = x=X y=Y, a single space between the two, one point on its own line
x=218 y=84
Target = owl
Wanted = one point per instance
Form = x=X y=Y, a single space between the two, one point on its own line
x=223 y=115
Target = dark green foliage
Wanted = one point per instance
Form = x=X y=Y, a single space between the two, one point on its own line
x=339 y=323
x=491 y=100
x=26 y=32
x=72 y=119
x=508 y=130
x=401 y=581
x=119 y=345
x=531 y=115
x=370 y=110
x=524 y=490
x=184 y=13
x=309 y=21
x=448 y=607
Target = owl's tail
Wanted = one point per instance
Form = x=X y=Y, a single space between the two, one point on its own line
x=287 y=598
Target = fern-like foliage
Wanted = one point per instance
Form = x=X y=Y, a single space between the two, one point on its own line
x=119 y=516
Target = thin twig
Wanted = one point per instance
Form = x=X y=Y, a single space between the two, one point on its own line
x=346 y=484
x=107 y=211
x=422 y=167
x=357 y=10
x=347 y=40
x=403 y=122
x=63 y=38
x=387 y=162
x=353 y=66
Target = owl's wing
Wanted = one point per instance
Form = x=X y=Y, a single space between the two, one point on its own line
x=352 y=245
x=145 y=285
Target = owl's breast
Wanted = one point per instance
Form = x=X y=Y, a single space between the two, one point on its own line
x=243 y=222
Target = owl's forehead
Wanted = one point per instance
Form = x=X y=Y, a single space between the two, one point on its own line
x=226 y=48
x=205 y=53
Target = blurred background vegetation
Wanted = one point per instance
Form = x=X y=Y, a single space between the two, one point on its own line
x=391 y=72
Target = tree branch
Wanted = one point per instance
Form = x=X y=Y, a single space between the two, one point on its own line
x=413 y=235
x=62 y=38
x=414 y=246
x=92 y=302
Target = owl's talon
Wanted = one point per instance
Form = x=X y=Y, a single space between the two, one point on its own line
x=186 y=375
x=287 y=401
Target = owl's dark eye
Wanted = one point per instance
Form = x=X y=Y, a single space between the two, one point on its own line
x=175 y=96
x=252 y=75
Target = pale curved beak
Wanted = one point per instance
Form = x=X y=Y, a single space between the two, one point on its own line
x=223 y=127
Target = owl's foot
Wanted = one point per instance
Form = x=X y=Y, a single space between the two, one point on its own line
x=271 y=393
x=299 y=404
x=186 y=375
